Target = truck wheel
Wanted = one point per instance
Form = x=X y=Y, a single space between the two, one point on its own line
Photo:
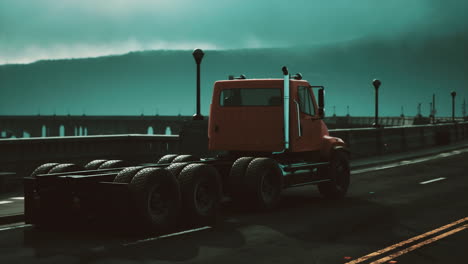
x=157 y=196
x=235 y=179
x=43 y=169
x=339 y=173
x=127 y=174
x=200 y=185
x=176 y=168
x=94 y=164
x=66 y=167
x=110 y=164
x=264 y=182
x=185 y=158
x=167 y=158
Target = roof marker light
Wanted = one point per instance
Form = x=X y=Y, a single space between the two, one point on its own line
x=241 y=77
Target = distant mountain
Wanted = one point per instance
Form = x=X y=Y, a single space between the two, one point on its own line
x=411 y=69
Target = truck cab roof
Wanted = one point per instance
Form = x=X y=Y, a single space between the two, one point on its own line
x=256 y=83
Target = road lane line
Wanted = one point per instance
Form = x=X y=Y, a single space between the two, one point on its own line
x=14 y=227
x=5 y=202
x=166 y=236
x=420 y=244
x=397 y=245
x=433 y=180
x=16 y=198
x=409 y=162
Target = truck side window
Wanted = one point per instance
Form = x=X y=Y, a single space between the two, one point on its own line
x=305 y=100
x=251 y=97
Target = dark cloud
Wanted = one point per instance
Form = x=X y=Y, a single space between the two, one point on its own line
x=55 y=29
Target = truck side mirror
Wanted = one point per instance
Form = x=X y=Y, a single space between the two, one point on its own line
x=321 y=103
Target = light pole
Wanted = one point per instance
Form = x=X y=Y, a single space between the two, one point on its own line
x=430 y=112
x=464 y=109
x=453 y=93
x=198 y=56
x=433 y=109
x=376 y=84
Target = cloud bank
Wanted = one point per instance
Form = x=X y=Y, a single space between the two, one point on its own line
x=52 y=29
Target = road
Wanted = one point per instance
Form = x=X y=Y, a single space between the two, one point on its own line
x=385 y=206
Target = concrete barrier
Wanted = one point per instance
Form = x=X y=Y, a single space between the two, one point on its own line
x=23 y=155
x=365 y=142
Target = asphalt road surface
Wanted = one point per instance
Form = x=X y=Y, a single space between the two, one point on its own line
x=414 y=213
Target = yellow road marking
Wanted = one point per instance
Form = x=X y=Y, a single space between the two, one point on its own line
x=392 y=247
x=420 y=244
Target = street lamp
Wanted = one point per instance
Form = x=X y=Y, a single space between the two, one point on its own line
x=198 y=56
x=453 y=93
x=376 y=84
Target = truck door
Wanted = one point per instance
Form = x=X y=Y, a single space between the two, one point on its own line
x=247 y=119
x=306 y=125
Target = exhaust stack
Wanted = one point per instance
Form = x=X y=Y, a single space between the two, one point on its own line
x=286 y=107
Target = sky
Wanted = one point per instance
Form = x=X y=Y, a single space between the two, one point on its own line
x=31 y=30
x=428 y=32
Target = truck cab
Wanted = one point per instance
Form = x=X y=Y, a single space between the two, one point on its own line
x=249 y=115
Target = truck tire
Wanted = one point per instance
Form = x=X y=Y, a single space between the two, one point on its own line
x=94 y=164
x=110 y=164
x=235 y=181
x=127 y=174
x=157 y=199
x=185 y=158
x=339 y=173
x=66 y=167
x=200 y=185
x=263 y=183
x=43 y=169
x=176 y=168
x=167 y=158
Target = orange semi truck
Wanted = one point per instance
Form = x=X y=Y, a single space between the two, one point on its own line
x=272 y=135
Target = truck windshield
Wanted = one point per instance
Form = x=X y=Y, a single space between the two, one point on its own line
x=251 y=97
